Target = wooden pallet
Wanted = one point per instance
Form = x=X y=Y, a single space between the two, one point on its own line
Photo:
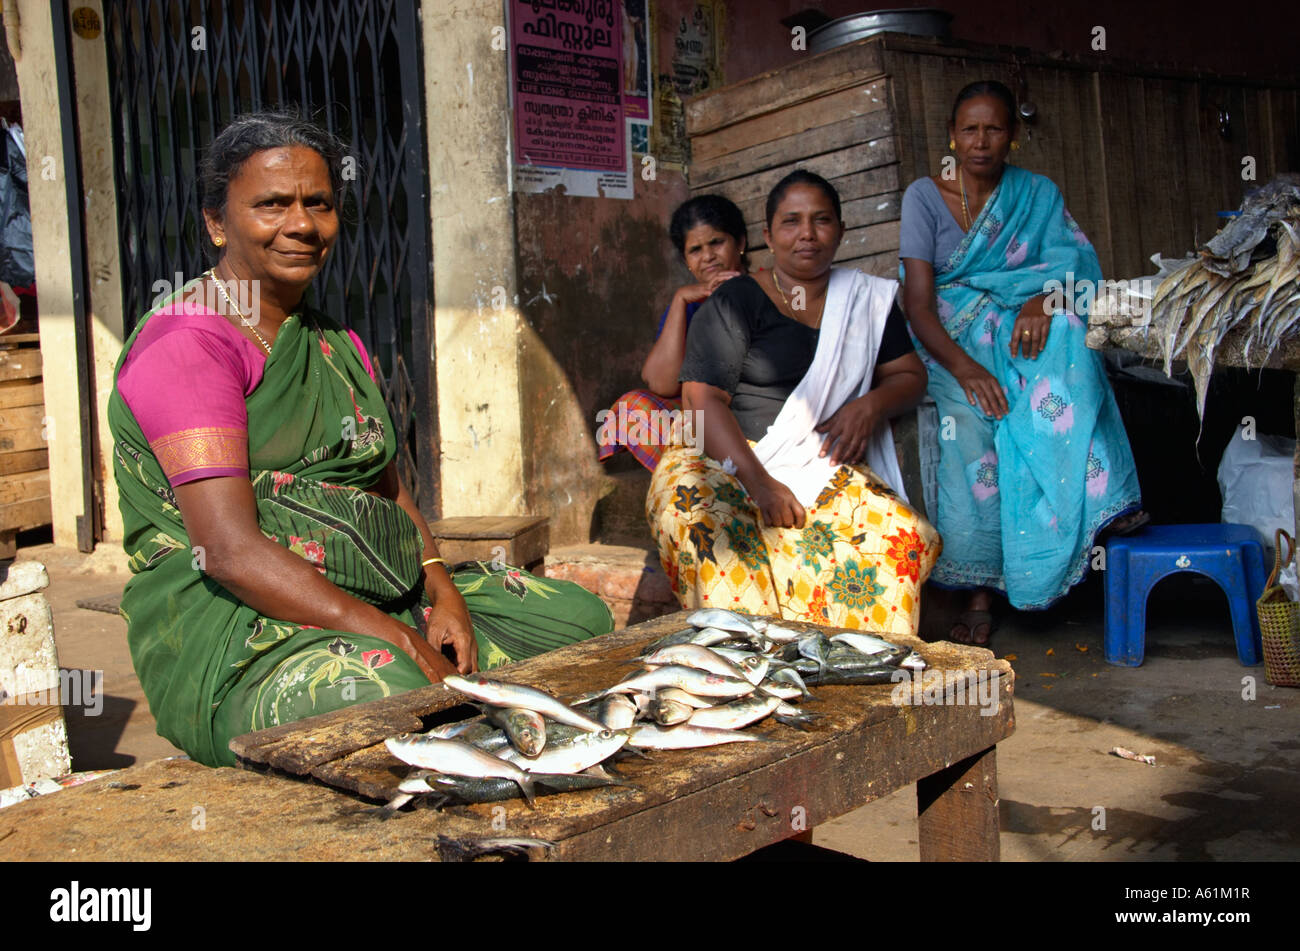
x=24 y=452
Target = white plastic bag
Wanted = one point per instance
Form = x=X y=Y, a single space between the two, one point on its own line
x=1255 y=479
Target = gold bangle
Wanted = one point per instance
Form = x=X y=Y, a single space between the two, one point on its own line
x=433 y=561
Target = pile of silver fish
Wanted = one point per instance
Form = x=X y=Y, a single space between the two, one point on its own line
x=1239 y=279
x=697 y=687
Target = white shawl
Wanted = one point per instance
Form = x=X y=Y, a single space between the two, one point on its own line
x=853 y=322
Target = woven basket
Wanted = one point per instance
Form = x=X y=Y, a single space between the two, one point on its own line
x=1279 y=623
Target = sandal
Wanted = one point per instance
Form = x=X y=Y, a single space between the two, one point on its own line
x=972 y=621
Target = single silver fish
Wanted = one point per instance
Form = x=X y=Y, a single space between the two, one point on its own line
x=737 y=714
x=867 y=643
x=686 y=737
x=816 y=647
x=782 y=635
x=756 y=669
x=525 y=728
x=696 y=655
x=783 y=691
x=457 y=758
x=692 y=680
x=678 y=695
x=913 y=661
x=708 y=636
x=736 y=655
x=617 y=711
x=789 y=675
x=582 y=751
x=501 y=694
x=676 y=637
x=468 y=789
x=724 y=620
x=449 y=731
x=667 y=712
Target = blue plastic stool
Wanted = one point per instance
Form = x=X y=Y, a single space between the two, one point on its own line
x=1230 y=554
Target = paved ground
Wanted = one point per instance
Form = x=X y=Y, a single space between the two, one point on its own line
x=1224 y=786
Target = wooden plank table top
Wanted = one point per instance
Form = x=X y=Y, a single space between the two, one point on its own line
x=711 y=804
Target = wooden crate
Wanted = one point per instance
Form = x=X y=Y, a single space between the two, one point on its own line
x=24 y=453
x=521 y=541
x=1135 y=151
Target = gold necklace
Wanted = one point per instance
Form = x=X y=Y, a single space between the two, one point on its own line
x=221 y=288
x=777 y=281
x=965 y=209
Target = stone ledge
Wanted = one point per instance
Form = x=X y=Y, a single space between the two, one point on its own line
x=628 y=579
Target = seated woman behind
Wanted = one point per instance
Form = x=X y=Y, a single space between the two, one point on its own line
x=280 y=569
x=709 y=233
x=1039 y=462
x=796 y=373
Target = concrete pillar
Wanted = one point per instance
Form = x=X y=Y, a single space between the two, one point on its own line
x=477 y=323
x=31 y=41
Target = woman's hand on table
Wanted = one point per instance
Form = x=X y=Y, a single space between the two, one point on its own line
x=426 y=655
x=694 y=293
x=778 y=504
x=847 y=431
x=1029 y=333
x=449 y=625
x=981 y=388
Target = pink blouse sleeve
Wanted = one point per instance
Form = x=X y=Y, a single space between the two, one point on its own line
x=365 y=357
x=186 y=387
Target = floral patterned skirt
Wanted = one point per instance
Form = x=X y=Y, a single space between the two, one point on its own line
x=858 y=562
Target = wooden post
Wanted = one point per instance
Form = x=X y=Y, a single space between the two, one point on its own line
x=957 y=811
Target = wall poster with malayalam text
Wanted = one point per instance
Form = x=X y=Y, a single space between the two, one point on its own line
x=568 y=97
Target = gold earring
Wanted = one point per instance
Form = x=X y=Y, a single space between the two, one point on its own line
x=1015 y=146
x=218 y=241
x=951 y=145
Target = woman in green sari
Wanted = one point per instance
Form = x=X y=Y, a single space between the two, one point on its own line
x=280 y=568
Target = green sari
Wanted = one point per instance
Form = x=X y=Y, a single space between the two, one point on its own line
x=212 y=667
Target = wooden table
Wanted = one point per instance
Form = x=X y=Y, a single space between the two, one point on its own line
x=713 y=804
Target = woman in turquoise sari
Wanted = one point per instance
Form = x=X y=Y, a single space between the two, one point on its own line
x=1034 y=460
x=280 y=568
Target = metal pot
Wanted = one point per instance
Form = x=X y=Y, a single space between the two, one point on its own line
x=922 y=21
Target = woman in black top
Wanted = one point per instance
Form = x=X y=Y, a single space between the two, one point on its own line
x=787 y=499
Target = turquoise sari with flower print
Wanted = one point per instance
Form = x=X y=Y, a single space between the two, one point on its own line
x=1021 y=499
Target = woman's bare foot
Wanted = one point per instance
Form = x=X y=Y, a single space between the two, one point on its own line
x=975 y=625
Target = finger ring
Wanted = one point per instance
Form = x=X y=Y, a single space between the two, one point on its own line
x=1025 y=333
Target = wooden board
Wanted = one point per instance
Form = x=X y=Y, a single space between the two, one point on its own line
x=22 y=417
x=21 y=393
x=802 y=147
x=21 y=440
x=776 y=89
x=733 y=799
x=823 y=110
x=23 y=363
x=24 y=515
x=518 y=540
x=832 y=165
x=27 y=460
x=25 y=487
